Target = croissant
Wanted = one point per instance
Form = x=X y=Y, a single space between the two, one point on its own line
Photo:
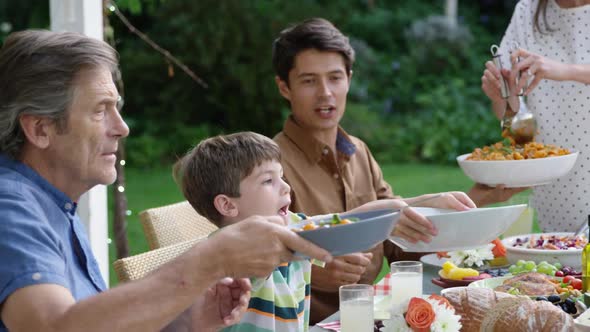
x=483 y=309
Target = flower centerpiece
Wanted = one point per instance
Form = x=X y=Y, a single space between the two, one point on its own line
x=434 y=314
x=493 y=254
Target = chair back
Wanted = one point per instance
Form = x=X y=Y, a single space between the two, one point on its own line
x=138 y=266
x=174 y=223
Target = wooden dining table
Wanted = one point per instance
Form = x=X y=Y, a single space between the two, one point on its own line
x=428 y=272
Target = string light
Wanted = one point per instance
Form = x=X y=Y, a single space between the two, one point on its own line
x=111 y=6
x=122 y=162
x=121 y=189
x=109 y=240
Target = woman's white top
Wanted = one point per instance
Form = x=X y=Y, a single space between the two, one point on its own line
x=562 y=108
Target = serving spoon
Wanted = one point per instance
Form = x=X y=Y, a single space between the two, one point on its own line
x=521 y=125
x=517 y=122
x=583 y=227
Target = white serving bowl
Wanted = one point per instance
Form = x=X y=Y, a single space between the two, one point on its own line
x=463 y=229
x=517 y=173
x=570 y=257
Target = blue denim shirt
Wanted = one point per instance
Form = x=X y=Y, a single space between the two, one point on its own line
x=42 y=240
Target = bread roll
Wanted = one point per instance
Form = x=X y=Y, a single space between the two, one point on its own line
x=483 y=309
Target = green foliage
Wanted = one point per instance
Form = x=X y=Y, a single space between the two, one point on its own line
x=449 y=120
x=436 y=43
x=161 y=145
x=414 y=94
x=18 y=15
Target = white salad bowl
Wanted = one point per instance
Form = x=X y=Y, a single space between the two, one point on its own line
x=463 y=229
x=570 y=257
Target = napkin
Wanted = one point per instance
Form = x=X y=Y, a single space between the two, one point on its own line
x=382 y=287
x=332 y=326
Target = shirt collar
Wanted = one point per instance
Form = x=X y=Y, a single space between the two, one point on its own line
x=61 y=199
x=313 y=148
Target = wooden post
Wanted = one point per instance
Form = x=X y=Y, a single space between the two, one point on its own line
x=451 y=11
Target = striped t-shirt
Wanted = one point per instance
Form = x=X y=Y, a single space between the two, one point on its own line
x=279 y=302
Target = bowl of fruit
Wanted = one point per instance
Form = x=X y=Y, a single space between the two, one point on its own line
x=461 y=267
x=453 y=276
x=561 y=248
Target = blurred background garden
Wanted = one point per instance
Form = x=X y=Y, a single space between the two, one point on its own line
x=415 y=98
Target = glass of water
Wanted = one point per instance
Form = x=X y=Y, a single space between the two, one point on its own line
x=356 y=308
x=405 y=281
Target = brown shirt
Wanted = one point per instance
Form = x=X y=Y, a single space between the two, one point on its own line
x=323 y=181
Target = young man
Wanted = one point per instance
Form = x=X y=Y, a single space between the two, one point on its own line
x=329 y=170
x=59 y=131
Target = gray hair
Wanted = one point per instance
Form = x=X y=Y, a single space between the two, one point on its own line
x=37 y=73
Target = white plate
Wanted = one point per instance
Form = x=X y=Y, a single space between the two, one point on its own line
x=517 y=173
x=582 y=323
x=432 y=259
x=459 y=230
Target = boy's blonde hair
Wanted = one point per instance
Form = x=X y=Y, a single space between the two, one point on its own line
x=218 y=164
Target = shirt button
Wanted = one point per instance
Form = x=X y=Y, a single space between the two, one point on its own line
x=68 y=206
x=325 y=151
x=336 y=176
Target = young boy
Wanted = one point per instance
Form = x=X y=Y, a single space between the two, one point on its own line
x=232 y=177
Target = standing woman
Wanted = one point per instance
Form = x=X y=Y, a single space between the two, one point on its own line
x=554 y=57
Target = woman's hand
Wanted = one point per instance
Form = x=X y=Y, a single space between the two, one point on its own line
x=491 y=82
x=538 y=67
x=491 y=86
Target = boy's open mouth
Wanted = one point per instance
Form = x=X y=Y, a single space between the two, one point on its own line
x=283 y=210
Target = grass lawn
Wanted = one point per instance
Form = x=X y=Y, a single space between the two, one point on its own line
x=155 y=187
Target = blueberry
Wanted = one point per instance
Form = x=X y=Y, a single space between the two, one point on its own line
x=563 y=307
x=554 y=298
x=542 y=298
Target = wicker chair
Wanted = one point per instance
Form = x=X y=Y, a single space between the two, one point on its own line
x=171 y=224
x=138 y=266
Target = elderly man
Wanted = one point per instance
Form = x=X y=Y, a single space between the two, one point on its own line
x=59 y=130
x=329 y=170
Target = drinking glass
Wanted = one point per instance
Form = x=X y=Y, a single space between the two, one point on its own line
x=524 y=223
x=405 y=281
x=356 y=308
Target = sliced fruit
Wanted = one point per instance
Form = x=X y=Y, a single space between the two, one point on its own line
x=448 y=266
x=499 y=249
x=460 y=273
x=479 y=277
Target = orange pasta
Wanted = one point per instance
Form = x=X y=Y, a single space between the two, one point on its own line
x=506 y=150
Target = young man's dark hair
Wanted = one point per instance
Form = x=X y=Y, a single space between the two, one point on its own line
x=314 y=33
